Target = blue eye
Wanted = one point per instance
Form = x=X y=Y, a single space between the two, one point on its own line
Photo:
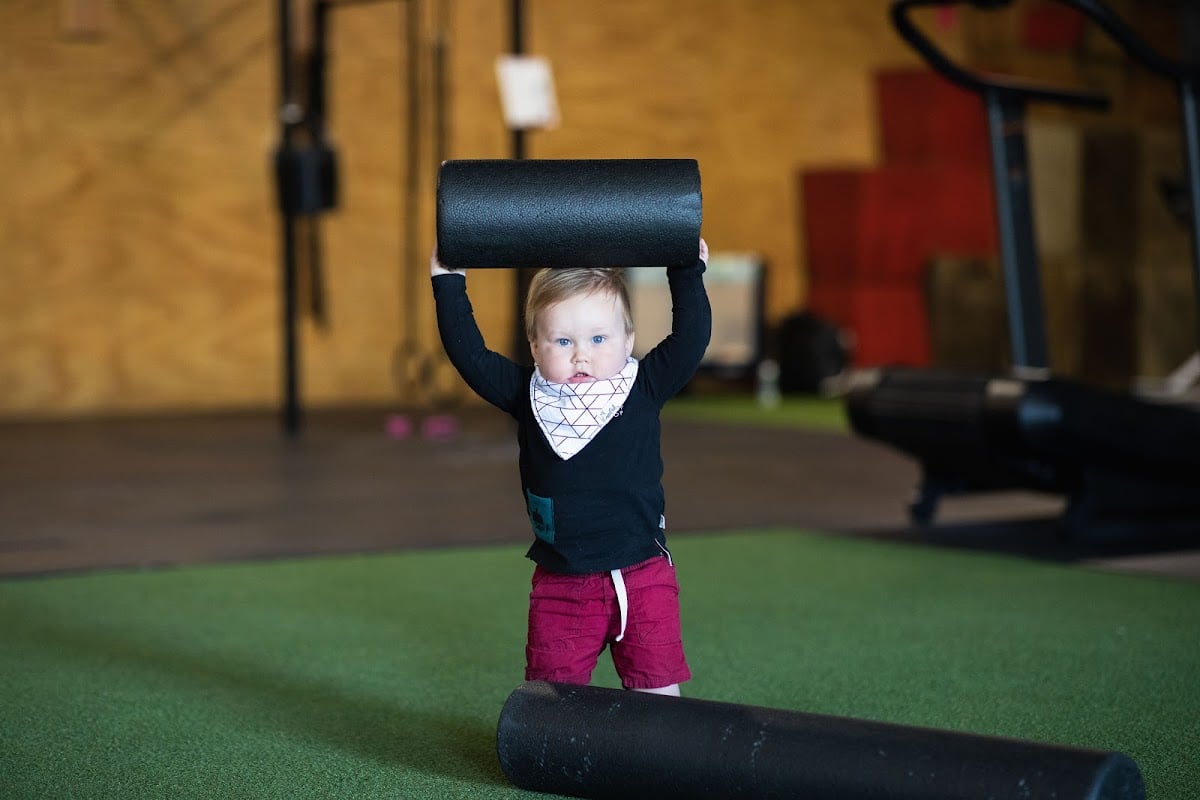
x=598 y=339
x=562 y=342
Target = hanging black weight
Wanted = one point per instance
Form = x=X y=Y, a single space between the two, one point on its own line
x=306 y=178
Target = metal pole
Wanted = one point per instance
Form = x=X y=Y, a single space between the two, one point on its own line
x=1189 y=107
x=290 y=412
x=520 y=344
x=1191 y=163
x=1014 y=216
x=517 y=32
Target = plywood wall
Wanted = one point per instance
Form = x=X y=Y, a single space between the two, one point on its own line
x=136 y=256
x=139 y=242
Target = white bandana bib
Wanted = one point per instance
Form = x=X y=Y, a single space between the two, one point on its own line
x=571 y=414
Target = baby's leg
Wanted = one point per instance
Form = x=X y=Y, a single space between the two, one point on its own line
x=649 y=657
x=569 y=620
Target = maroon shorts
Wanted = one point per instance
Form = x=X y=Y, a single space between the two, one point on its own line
x=573 y=617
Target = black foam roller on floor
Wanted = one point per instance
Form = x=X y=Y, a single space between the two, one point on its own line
x=568 y=213
x=603 y=743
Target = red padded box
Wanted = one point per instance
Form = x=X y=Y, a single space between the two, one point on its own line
x=890 y=323
x=887 y=223
x=925 y=118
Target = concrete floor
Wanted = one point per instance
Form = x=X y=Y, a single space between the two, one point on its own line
x=166 y=491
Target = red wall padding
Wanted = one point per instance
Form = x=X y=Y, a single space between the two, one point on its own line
x=885 y=223
x=871 y=233
x=890 y=322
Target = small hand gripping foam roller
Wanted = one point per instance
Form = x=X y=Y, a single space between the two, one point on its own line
x=568 y=213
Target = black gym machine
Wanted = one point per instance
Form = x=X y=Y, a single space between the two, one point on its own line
x=1127 y=466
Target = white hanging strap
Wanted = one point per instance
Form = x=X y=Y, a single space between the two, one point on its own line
x=622 y=600
x=662 y=525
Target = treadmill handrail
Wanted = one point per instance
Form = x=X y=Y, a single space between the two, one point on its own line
x=1134 y=46
x=1024 y=90
x=1014 y=89
x=1117 y=29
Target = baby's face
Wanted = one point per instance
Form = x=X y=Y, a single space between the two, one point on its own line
x=582 y=339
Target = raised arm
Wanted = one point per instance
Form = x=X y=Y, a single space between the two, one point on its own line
x=496 y=379
x=673 y=362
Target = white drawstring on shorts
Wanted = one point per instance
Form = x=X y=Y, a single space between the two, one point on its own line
x=622 y=600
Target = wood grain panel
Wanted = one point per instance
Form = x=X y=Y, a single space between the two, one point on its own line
x=140 y=242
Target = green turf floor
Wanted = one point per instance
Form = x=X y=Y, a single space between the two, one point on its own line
x=382 y=676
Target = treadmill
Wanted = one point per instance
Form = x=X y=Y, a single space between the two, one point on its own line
x=1127 y=467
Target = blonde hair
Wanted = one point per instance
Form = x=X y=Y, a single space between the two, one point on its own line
x=550 y=286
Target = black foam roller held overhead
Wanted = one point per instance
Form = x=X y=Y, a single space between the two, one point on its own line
x=568 y=213
x=606 y=743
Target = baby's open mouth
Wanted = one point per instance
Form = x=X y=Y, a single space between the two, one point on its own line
x=579 y=377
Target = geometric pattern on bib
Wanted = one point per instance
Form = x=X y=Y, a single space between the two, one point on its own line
x=570 y=415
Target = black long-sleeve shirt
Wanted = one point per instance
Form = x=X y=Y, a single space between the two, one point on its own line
x=603 y=508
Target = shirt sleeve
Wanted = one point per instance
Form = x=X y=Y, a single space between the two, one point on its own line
x=497 y=379
x=673 y=361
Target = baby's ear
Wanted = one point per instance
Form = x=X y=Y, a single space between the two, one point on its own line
x=629 y=345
